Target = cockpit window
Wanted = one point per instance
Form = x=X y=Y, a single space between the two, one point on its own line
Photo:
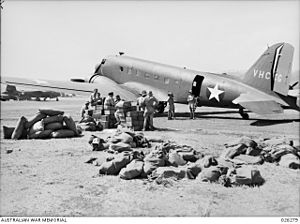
x=103 y=61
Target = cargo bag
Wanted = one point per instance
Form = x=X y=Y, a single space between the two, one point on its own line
x=132 y=170
x=114 y=166
x=40 y=134
x=62 y=133
x=31 y=121
x=233 y=151
x=154 y=159
x=120 y=147
x=210 y=174
x=20 y=129
x=54 y=126
x=38 y=126
x=290 y=161
x=174 y=159
x=53 y=119
x=170 y=172
x=71 y=124
x=7 y=132
x=51 y=112
x=248 y=175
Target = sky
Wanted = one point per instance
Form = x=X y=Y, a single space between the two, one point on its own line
x=63 y=39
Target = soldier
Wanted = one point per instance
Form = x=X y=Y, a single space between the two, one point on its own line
x=150 y=103
x=192 y=104
x=84 y=109
x=171 y=111
x=109 y=101
x=95 y=98
x=119 y=103
x=140 y=99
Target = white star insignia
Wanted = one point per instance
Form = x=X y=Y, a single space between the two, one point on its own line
x=215 y=92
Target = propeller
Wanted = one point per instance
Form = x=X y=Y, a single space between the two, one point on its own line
x=292 y=86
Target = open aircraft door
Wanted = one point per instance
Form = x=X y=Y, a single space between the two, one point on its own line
x=196 y=86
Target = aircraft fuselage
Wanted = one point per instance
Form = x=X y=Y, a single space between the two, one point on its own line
x=212 y=90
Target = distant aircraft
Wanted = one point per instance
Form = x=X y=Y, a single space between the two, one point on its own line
x=264 y=89
x=11 y=92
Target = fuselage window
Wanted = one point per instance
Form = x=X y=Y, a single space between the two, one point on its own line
x=166 y=81
x=156 y=76
x=177 y=82
x=138 y=73
x=130 y=71
x=147 y=75
x=121 y=68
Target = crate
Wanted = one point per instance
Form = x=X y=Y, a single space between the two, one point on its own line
x=105 y=124
x=99 y=107
x=109 y=111
x=97 y=115
x=132 y=114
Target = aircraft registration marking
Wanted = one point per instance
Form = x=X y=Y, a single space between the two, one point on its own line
x=266 y=75
x=215 y=92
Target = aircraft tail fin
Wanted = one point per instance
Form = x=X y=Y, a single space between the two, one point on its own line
x=271 y=72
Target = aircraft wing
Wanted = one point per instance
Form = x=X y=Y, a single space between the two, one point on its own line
x=103 y=84
x=137 y=88
x=260 y=103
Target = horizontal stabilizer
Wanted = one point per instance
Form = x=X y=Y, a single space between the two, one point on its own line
x=263 y=107
x=260 y=103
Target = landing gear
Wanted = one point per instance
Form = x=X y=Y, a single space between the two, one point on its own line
x=161 y=106
x=243 y=114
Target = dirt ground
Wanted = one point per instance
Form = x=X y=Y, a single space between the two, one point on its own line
x=51 y=178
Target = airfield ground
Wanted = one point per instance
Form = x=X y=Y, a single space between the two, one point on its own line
x=51 y=178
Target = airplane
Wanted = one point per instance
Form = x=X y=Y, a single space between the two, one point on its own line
x=264 y=89
x=11 y=92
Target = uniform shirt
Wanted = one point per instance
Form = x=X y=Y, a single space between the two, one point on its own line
x=109 y=101
x=150 y=103
x=171 y=103
x=139 y=102
x=191 y=100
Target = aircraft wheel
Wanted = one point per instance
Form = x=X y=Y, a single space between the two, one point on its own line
x=245 y=116
x=161 y=107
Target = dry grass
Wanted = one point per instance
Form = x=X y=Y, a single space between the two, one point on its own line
x=51 y=178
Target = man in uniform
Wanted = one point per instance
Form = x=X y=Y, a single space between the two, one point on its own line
x=95 y=98
x=192 y=104
x=150 y=103
x=171 y=111
x=109 y=101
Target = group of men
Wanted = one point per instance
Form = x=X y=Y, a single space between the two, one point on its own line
x=145 y=102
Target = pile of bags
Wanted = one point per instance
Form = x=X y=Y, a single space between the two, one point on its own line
x=169 y=160
x=88 y=123
x=123 y=140
x=276 y=150
x=45 y=124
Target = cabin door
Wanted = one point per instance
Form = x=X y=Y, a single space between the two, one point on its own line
x=196 y=86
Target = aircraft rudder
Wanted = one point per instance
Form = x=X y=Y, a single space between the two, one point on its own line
x=271 y=71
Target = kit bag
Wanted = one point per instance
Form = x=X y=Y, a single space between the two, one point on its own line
x=20 y=128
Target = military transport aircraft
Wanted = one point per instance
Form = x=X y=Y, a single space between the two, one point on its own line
x=264 y=89
x=11 y=92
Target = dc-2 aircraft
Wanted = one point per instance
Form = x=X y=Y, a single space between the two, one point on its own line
x=264 y=89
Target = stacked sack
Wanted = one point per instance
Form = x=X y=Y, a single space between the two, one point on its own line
x=237 y=165
x=275 y=150
x=88 y=123
x=171 y=161
x=45 y=124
